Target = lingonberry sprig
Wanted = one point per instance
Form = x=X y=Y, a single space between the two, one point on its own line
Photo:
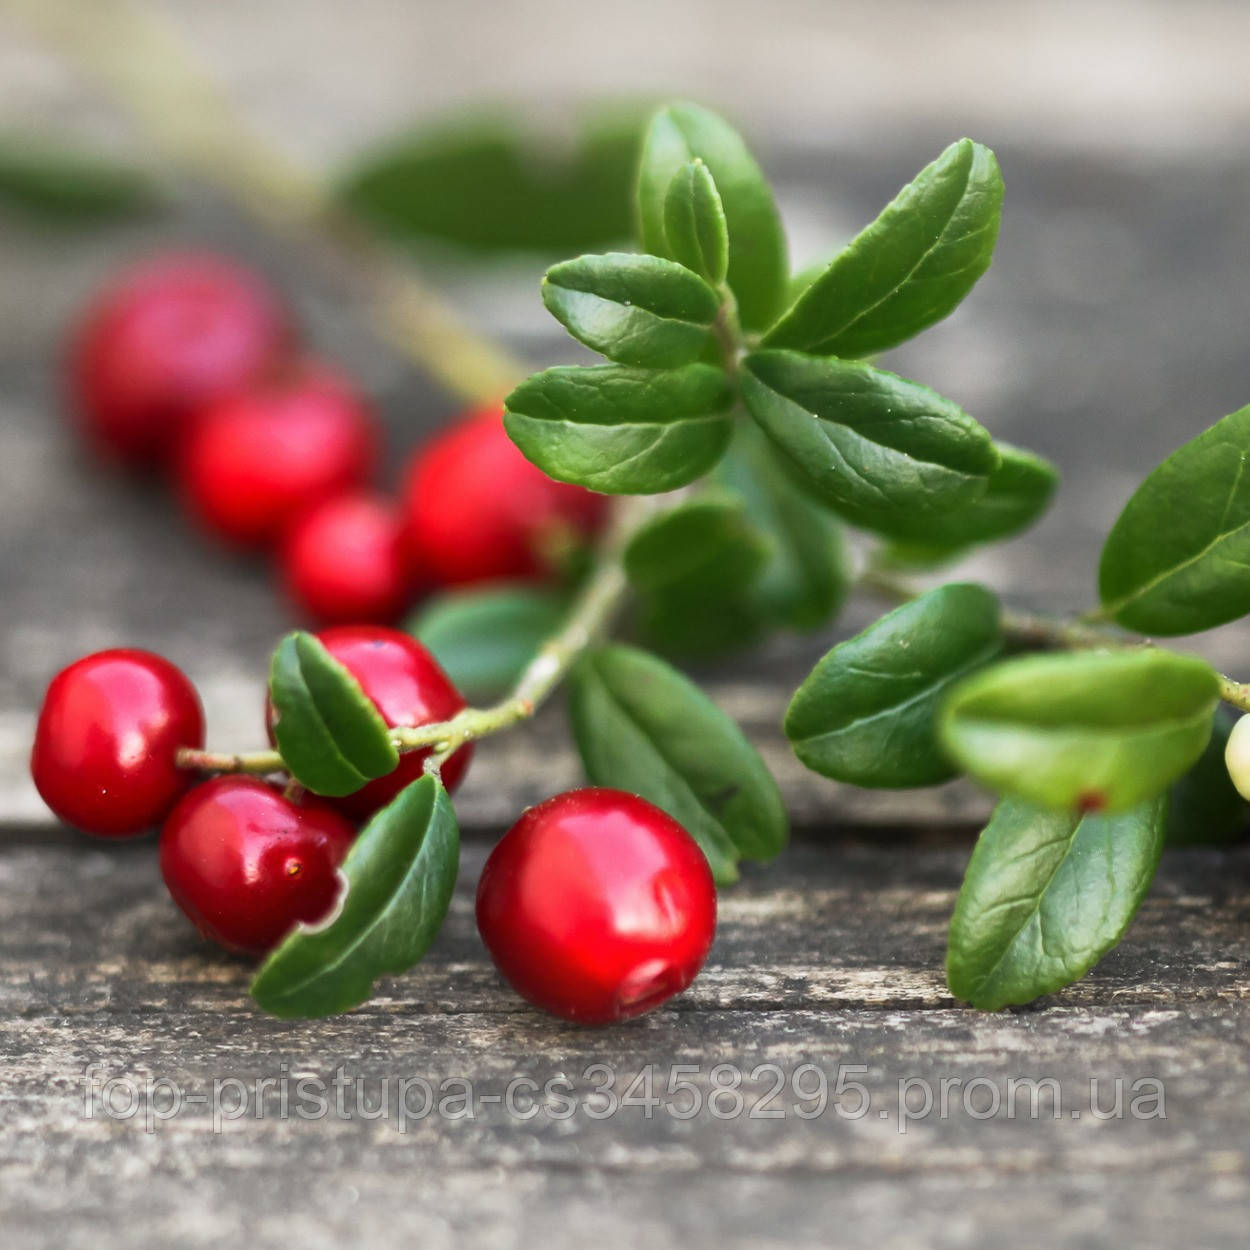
x=739 y=405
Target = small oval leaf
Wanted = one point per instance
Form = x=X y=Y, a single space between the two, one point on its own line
x=330 y=735
x=757 y=271
x=638 y=310
x=643 y=727
x=910 y=268
x=65 y=186
x=621 y=430
x=1018 y=491
x=703 y=543
x=1047 y=894
x=883 y=452
x=694 y=222
x=399 y=876
x=807 y=572
x=867 y=713
x=1175 y=562
x=484 y=638
x=1089 y=731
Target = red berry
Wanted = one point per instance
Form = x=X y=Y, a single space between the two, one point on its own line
x=109 y=729
x=477 y=510
x=597 y=906
x=407 y=686
x=245 y=862
x=257 y=459
x=346 y=560
x=163 y=340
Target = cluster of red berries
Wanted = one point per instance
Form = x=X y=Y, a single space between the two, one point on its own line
x=191 y=364
x=596 y=905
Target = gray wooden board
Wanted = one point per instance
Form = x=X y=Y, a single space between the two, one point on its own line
x=1111 y=328
x=831 y=958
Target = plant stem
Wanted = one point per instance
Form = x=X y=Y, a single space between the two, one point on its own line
x=588 y=619
x=143 y=64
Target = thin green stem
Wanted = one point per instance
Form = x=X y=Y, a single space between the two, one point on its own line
x=588 y=619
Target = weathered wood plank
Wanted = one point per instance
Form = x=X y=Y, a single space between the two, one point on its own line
x=830 y=958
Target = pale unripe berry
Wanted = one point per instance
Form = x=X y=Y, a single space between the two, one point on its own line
x=1237 y=756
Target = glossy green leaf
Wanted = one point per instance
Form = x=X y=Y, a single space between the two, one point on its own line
x=700 y=623
x=489 y=185
x=484 y=637
x=883 y=452
x=398 y=880
x=1089 y=731
x=331 y=736
x=1047 y=894
x=705 y=542
x=867 y=712
x=757 y=271
x=1019 y=490
x=639 y=310
x=694 y=222
x=621 y=430
x=643 y=727
x=58 y=184
x=807 y=572
x=1204 y=807
x=910 y=268
x=1178 y=559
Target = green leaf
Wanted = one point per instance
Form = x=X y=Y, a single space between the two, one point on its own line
x=330 y=735
x=1176 y=561
x=398 y=880
x=639 y=310
x=489 y=185
x=643 y=727
x=1046 y=896
x=703 y=543
x=757 y=271
x=694 y=222
x=807 y=573
x=883 y=452
x=866 y=714
x=1017 y=493
x=71 y=186
x=1089 y=731
x=621 y=430
x=1204 y=806
x=483 y=638
x=910 y=268
x=700 y=624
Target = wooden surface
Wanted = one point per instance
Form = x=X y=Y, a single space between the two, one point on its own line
x=1112 y=327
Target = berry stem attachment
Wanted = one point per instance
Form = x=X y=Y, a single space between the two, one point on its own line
x=143 y=64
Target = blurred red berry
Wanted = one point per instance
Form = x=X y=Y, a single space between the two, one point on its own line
x=105 y=745
x=597 y=906
x=346 y=560
x=257 y=459
x=245 y=863
x=408 y=688
x=477 y=510
x=164 y=339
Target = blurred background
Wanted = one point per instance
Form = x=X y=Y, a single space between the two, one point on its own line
x=1112 y=326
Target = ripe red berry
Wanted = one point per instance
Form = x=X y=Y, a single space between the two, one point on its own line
x=109 y=729
x=258 y=458
x=407 y=686
x=346 y=560
x=477 y=510
x=163 y=340
x=597 y=906
x=245 y=862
